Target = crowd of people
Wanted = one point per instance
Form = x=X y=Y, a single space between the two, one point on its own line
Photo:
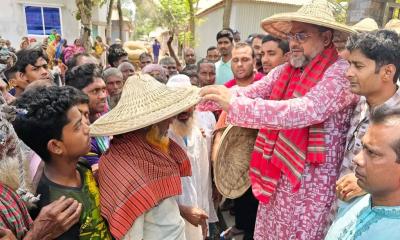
x=294 y=132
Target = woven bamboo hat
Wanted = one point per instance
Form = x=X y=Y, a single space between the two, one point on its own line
x=231 y=168
x=144 y=102
x=318 y=12
x=394 y=25
x=366 y=25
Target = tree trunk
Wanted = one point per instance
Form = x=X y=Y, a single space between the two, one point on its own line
x=227 y=13
x=108 y=27
x=120 y=21
x=85 y=14
x=360 y=9
x=191 y=24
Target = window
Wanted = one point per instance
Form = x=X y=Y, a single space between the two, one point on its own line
x=41 y=20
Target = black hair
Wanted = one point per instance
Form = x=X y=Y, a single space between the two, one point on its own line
x=29 y=56
x=81 y=76
x=46 y=116
x=204 y=60
x=242 y=45
x=282 y=44
x=382 y=46
x=211 y=48
x=190 y=70
x=390 y=118
x=10 y=73
x=115 y=52
x=225 y=33
x=254 y=36
x=78 y=96
x=73 y=62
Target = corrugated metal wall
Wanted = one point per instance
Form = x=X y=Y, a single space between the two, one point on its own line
x=206 y=31
x=245 y=17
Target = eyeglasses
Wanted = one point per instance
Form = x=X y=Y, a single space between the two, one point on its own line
x=299 y=37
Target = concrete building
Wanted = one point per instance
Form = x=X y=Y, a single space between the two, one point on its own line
x=127 y=27
x=245 y=17
x=36 y=18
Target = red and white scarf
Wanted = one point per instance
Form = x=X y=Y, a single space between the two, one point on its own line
x=287 y=151
x=134 y=176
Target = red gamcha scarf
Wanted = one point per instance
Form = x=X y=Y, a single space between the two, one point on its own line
x=287 y=151
x=134 y=177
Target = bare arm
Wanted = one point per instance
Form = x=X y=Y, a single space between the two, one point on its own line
x=260 y=89
x=328 y=97
x=172 y=52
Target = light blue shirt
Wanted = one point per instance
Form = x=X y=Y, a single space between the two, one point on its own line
x=360 y=221
x=223 y=72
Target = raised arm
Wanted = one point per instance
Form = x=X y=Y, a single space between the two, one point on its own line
x=260 y=89
x=328 y=97
x=172 y=52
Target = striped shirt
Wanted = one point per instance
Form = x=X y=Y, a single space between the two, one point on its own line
x=14 y=214
x=134 y=177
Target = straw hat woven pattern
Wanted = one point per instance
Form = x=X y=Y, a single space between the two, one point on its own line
x=318 y=12
x=366 y=25
x=394 y=25
x=144 y=102
x=231 y=168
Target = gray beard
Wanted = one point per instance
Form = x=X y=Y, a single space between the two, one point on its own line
x=113 y=100
x=299 y=62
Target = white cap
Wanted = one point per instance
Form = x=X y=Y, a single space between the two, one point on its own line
x=179 y=81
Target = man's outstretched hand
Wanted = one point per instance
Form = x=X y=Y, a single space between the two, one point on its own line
x=55 y=219
x=217 y=93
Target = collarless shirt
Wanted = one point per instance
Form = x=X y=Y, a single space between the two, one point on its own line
x=223 y=72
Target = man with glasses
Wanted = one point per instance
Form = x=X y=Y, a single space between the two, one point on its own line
x=374 y=69
x=302 y=109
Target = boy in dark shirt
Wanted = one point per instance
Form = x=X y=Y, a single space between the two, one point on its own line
x=55 y=128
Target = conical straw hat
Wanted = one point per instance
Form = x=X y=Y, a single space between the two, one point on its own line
x=394 y=25
x=366 y=25
x=318 y=12
x=231 y=168
x=144 y=102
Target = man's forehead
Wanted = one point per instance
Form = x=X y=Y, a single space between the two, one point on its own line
x=357 y=55
x=270 y=45
x=126 y=68
x=114 y=78
x=40 y=61
x=224 y=39
x=97 y=83
x=206 y=66
x=189 y=51
x=242 y=50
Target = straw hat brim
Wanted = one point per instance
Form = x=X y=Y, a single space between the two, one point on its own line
x=126 y=118
x=280 y=24
x=231 y=168
x=364 y=29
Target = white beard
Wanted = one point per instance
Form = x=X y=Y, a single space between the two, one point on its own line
x=182 y=129
x=298 y=62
